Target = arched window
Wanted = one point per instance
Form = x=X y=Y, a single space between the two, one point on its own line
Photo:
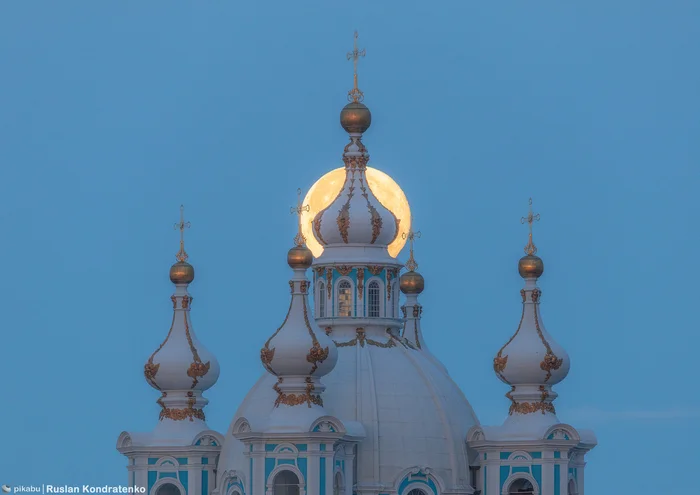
x=338 y=484
x=286 y=483
x=321 y=295
x=416 y=491
x=373 y=299
x=168 y=489
x=344 y=298
x=572 y=488
x=521 y=487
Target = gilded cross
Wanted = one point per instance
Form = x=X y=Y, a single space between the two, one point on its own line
x=299 y=239
x=411 y=264
x=530 y=248
x=182 y=225
x=355 y=94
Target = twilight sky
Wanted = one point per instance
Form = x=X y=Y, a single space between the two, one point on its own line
x=113 y=113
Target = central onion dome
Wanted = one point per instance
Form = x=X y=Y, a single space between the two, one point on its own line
x=356 y=216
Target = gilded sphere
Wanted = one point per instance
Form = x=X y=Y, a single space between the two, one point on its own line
x=530 y=266
x=412 y=283
x=181 y=273
x=355 y=117
x=300 y=257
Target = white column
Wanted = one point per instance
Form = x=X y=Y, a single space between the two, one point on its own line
x=313 y=478
x=328 y=455
x=493 y=473
x=349 y=468
x=141 y=471
x=194 y=476
x=548 y=461
x=259 y=481
x=563 y=475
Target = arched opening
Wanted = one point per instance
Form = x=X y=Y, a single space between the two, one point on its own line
x=572 y=488
x=373 y=299
x=344 y=298
x=321 y=295
x=521 y=487
x=286 y=483
x=338 y=487
x=416 y=491
x=168 y=489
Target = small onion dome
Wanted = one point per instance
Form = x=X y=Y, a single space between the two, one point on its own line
x=181 y=273
x=530 y=266
x=411 y=283
x=355 y=117
x=300 y=257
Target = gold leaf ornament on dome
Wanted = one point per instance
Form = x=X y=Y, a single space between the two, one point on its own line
x=297 y=399
x=344 y=270
x=543 y=406
x=176 y=414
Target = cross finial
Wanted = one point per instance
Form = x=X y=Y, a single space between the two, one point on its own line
x=299 y=239
x=411 y=264
x=182 y=225
x=355 y=94
x=530 y=248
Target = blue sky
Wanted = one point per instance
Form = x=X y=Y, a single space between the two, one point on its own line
x=113 y=113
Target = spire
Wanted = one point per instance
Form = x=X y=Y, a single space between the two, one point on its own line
x=299 y=352
x=355 y=95
x=181 y=368
x=411 y=264
x=530 y=248
x=531 y=362
x=300 y=208
x=181 y=226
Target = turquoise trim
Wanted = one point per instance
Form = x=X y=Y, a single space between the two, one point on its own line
x=322 y=490
x=537 y=474
x=521 y=469
x=505 y=472
x=301 y=464
x=557 y=455
x=152 y=460
x=269 y=466
x=557 y=482
x=168 y=475
x=281 y=462
x=152 y=477
x=205 y=482
x=183 y=480
x=323 y=447
x=250 y=480
x=419 y=477
x=302 y=447
x=485 y=477
x=182 y=460
x=270 y=447
x=205 y=460
x=536 y=455
x=484 y=455
x=504 y=455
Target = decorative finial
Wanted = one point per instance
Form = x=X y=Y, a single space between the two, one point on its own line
x=299 y=239
x=530 y=248
x=411 y=264
x=182 y=225
x=355 y=95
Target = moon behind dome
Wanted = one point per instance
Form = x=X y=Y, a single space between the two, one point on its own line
x=326 y=189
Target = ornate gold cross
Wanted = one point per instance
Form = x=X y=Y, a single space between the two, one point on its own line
x=299 y=239
x=530 y=248
x=411 y=264
x=355 y=94
x=182 y=225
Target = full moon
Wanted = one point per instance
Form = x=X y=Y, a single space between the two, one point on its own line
x=326 y=189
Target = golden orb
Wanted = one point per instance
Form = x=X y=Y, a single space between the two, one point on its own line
x=326 y=190
x=181 y=273
x=530 y=266
x=300 y=257
x=355 y=117
x=411 y=283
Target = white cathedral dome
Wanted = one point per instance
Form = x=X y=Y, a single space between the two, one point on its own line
x=412 y=412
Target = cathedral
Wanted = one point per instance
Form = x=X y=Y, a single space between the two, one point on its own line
x=351 y=400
